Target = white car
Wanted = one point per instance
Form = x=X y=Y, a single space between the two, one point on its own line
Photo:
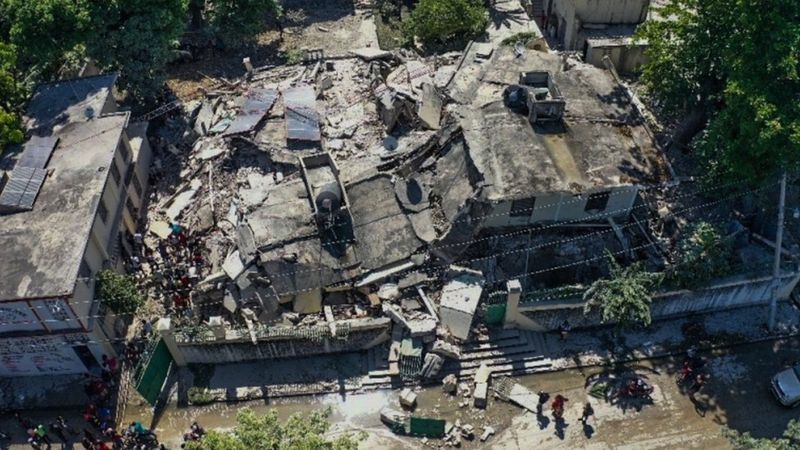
x=786 y=386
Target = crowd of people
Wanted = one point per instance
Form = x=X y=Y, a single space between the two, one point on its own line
x=171 y=268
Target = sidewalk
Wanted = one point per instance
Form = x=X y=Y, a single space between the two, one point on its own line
x=708 y=331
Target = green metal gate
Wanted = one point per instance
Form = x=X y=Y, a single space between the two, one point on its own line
x=495 y=314
x=423 y=426
x=152 y=371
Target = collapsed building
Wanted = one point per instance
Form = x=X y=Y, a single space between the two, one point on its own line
x=328 y=217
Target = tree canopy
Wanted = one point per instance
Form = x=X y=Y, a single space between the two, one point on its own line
x=744 y=441
x=11 y=95
x=266 y=432
x=239 y=21
x=438 y=21
x=625 y=296
x=137 y=38
x=739 y=65
x=118 y=292
x=703 y=255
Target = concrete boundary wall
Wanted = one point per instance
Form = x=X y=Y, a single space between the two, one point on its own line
x=360 y=335
x=548 y=315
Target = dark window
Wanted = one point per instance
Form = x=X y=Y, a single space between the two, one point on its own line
x=523 y=208
x=115 y=172
x=128 y=175
x=137 y=185
x=123 y=150
x=597 y=202
x=102 y=211
x=84 y=272
x=131 y=208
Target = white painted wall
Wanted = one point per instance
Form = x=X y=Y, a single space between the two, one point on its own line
x=564 y=207
x=43 y=355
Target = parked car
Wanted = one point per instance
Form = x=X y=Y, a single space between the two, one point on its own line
x=786 y=386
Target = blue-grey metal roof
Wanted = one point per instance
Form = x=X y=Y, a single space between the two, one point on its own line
x=302 y=118
x=21 y=189
x=258 y=103
x=36 y=152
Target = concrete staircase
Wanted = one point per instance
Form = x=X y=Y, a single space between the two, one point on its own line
x=506 y=352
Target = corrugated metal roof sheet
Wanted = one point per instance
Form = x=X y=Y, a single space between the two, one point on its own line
x=36 y=152
x=22 y=188
x=258 y=103
x=302 y=118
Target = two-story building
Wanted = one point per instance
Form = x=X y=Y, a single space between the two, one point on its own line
x=68 y=196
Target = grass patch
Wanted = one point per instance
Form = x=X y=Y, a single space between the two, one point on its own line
x=200 y=396
x=294 y=56
x=390 y=33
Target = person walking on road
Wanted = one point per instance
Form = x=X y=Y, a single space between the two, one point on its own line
x=558 y=406
x=588 y=412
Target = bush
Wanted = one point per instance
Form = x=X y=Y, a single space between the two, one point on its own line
x=119 y=292
x=703 y=255
x=625 y=296
x=438 y=21
x=199 y=396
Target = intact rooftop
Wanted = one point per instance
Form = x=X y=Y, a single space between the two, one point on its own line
x=43 y=247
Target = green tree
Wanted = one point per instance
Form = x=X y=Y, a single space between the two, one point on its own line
x=11 y=96
x=265 y=432
x=240 y=21
x=744 y=441
x=44 y=30
x=625 y=296
x=137 y=38
x=118 y=292
x=737 y=68
x=703 y=255
x=438 y=21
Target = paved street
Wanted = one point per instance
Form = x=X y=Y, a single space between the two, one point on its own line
x=736 y=395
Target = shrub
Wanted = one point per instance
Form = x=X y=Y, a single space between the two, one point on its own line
x=119 y=292
x=703 y=254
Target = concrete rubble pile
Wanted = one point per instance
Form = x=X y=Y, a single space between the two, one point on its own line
x=227 y=156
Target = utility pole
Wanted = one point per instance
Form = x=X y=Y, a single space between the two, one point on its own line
x=776 y=268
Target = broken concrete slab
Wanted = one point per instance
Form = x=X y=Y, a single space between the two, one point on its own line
x=160 y=229
x=480 y=395
x=408 y=398
x=429 y=107
x=482 y=374
x=446 y=349
x=210 y=152
x=182 y=200
x=488 y=431
x=205 y=218
x=205 y=117
x=432 y=365
x=371 y=53
x=233 y=265
x=483 y=50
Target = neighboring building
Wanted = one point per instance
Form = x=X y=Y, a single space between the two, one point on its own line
x=67 y=198
x=596 y=28
x=585 y=161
